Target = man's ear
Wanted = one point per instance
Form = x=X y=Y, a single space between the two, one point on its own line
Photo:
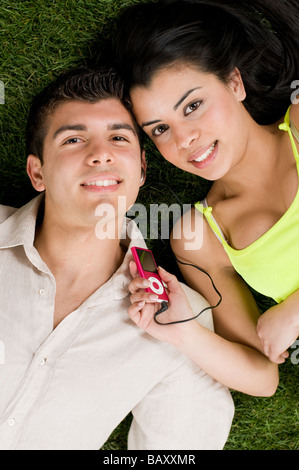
x=143 y=168
x=236 y=84
x=34 y=171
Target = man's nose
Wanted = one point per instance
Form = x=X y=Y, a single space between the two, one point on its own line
x=100 y=153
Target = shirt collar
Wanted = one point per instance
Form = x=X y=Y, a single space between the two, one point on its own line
x=19 y=228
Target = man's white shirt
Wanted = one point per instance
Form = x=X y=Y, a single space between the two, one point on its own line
x=68 y=388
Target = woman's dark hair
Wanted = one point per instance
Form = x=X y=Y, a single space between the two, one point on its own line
x=81 y=84
x=260 y=38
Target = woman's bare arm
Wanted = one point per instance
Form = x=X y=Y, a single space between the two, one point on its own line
x=233 y=353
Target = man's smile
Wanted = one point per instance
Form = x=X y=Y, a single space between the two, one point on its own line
x=103 y=182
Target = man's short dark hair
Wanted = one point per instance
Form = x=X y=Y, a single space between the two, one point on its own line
x=81 y=84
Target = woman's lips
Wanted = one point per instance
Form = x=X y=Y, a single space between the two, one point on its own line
x=204 y=157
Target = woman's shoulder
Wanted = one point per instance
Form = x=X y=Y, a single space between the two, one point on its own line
x=193 y=240
x=294 y=112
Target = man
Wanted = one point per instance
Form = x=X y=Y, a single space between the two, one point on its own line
x=75 y=365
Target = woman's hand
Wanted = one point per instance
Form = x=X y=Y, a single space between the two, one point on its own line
x=277 y=331
x=145 y=305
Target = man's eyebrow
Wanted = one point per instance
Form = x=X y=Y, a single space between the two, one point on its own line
x=121 y=125
x=82 y=127
x=185 y=95
x=69 y=127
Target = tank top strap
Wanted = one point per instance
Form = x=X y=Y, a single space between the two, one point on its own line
x=207 y=212
x=289 y=127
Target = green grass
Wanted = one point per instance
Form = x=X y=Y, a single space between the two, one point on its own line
x=41 y=38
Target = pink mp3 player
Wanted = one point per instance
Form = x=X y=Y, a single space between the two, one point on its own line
x=147 y=269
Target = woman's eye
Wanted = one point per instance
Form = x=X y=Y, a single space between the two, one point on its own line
x=192 y=107
x=159 y=130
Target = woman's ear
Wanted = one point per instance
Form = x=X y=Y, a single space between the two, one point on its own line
x=34 y=171
x=236 y=84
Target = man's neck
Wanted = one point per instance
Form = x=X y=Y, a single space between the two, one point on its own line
x=76 y=251
x=79 y=262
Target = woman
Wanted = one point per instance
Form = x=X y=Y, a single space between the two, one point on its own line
x=210 y=83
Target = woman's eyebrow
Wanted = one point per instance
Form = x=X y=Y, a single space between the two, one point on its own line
x=149 y=123
x=185 y=95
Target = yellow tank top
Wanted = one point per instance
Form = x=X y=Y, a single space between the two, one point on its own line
x=270 y=265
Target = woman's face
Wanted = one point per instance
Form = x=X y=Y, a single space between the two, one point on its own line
x=194 y=119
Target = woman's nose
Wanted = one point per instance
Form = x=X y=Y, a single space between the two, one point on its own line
x=186 y=136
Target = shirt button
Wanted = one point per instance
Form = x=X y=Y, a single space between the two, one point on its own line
x=42 y=361
x=42 y=292
x=11 y=421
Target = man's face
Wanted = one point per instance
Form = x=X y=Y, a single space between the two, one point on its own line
x=91 y=157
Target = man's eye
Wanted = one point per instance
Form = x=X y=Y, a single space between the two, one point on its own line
x=73 y=140
x=159 y=130
x=119 y=138
x=192 y=107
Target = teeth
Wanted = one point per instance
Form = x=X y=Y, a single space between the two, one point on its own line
x=102 y=183
x=206 y=154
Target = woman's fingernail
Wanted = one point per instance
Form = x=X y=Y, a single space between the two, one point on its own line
x=153 y=297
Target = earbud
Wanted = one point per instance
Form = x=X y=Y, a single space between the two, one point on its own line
x=142 y=175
